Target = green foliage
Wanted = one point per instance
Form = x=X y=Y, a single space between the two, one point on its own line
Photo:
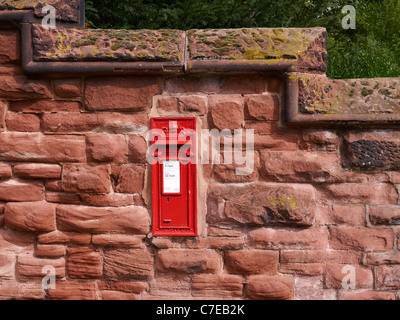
x=372 y=50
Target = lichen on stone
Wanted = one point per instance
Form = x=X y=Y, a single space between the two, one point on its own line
x=66 y=44
x=320 y=96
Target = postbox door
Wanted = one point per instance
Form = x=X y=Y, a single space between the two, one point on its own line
x=174 y=181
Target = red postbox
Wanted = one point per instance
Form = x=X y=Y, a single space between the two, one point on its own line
x=174 y=176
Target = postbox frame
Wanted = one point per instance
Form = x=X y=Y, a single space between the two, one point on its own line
x=188 y=186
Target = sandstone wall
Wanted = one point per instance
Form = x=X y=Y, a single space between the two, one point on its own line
x=75 y=188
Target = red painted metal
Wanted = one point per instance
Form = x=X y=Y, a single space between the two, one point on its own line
x=174 y=177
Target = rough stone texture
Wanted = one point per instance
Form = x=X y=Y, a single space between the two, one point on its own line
x=10 y=53
x=251 y=262
x=289 y=239
x=298 y=166
x=335 y=275
x=123 y=264
x=85 y=178
x=30 y=216
x=30 y=267
x=41 y=148
x=221 y=106
x=84 y=263
x=108 y=45
x=372 y=150
x=212 y=286
x=320 y=95
x=68 y=88
x=361 y=238
x=188 y=261
x=385 y=215
x=262 y=107
x=121 y=93
x=254 y=45
x=67 y=12
x=128 y=178
x=261 y=204
x=107 y=148
x=111 y=123
x=133 y=220
x=16 y=191
x=38 y=171
x=270 y=288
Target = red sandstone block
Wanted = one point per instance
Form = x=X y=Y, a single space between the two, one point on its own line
x=375 y=194
x=222 y=105
x=289 y=239
x=38 y=171
x=11 y=289
x=335 y=274
x=65 y=198
x=220 y=243
x=128 y=178
x=16 y=88
x=50 y=251
x=274 y=85
x=379 y=258
x=301 y=269
x=361 y=239
x=270 y=128
x=84 y=263
x=261 y=107
x=336 y=214
x=302 y=256
x=252 y=262
x=93 y=220
x=67 y=88
x=10 y=46
x=34 y=147
x=188 y=261
x=118 y=240
x=166 y=103
x=106 y=148
x=299 y=166
x=270 y=288
x=384 y=215
x=30 y=216
x=86 y=178
x=16 y=191
x=243 y=85
x=121 y=93
x=388 y=277
x=58 y=237
x=43 y=106
x=193 y=85
x=31 y=267
x=123 y=264
x=137 y=146
x=93 y=122
x=5 y=171
x=193 y=104
x=123 y=286
x=73 y=290
x=107 y=200
x=319 y=140
x=223 y=286
x=364 y=295
x=22 y=122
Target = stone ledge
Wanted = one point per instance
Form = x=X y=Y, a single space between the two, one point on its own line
x=71 y=13
x=319 y=101
x=195 y=51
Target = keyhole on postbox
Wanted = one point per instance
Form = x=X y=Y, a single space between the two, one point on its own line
x=168 y=199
